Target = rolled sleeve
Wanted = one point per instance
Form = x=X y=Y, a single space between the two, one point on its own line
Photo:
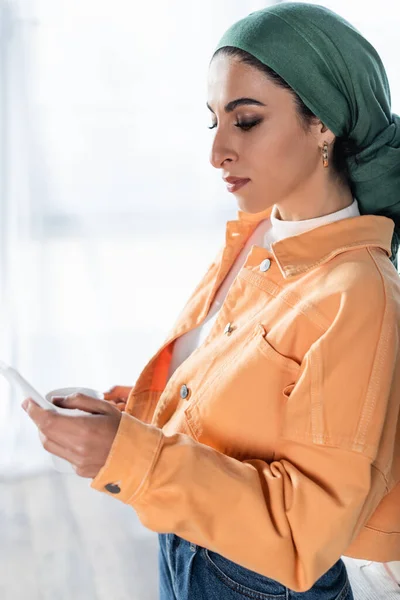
x=130 y=460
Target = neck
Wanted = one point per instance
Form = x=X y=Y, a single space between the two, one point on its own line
x=312 y=200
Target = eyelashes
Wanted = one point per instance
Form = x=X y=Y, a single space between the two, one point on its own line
x=244 y=125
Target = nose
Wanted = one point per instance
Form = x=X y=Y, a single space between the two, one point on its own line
x=221 y=152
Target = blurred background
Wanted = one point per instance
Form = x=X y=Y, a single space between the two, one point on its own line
x=110 y=214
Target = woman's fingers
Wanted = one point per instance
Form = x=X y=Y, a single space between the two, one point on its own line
x=118 y=403
x=121 y=405
x=118 y=396
x=118 y=392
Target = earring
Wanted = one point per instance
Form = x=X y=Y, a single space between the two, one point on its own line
x=325 y=155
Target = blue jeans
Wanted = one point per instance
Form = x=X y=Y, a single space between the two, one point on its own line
x=190 y=572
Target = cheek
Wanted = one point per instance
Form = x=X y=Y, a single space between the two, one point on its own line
x=281 y=157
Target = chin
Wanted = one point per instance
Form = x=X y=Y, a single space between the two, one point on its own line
x=246 y=205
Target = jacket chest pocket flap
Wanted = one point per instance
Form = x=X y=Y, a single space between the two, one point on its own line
x=238 y=409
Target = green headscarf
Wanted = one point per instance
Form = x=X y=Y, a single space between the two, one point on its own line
x=341 y=78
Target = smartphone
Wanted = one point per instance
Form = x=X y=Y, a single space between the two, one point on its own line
x=14 y=377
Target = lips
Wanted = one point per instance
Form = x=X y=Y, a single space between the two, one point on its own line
x=233 y=184
x=235 y=179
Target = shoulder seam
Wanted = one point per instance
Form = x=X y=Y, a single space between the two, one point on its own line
x=368 y=407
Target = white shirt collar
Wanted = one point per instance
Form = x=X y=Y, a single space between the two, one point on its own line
x=283 y=229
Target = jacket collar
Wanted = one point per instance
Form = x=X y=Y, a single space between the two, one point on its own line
x=302 y=252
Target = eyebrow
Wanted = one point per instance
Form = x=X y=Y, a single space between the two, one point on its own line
x=230 y=107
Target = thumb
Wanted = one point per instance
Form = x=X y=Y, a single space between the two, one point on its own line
x=82 y=402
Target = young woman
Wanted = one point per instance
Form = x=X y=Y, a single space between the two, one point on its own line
x=261 y=441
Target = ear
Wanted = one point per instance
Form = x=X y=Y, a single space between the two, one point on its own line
x=324 y=135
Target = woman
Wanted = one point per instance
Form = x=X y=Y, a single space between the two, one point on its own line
x=261 y=440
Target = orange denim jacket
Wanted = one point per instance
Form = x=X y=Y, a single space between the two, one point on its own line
x=276 y=443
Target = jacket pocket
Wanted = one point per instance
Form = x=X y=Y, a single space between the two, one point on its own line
x=238 y=408
x=282 y=361
x=288 y=389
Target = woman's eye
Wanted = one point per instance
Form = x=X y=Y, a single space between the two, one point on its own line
x=244 y=125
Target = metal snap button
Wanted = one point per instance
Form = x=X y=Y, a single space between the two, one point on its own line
x=184 y=391
x=228 y=329
x=265 y=265
x=113 y=488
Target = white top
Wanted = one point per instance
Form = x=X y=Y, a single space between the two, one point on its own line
x=268 y=231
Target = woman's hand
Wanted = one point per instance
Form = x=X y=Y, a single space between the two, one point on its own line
x=85 y=440
x=118 y=396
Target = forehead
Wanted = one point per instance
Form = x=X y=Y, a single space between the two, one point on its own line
x=225 y=70
x=229 y=78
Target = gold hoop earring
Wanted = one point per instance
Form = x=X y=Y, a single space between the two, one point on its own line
x=325 y=155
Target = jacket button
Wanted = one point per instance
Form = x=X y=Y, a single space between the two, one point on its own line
x=184 y=391
x=228 y=329
x=113 y=488
x=265 y=265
